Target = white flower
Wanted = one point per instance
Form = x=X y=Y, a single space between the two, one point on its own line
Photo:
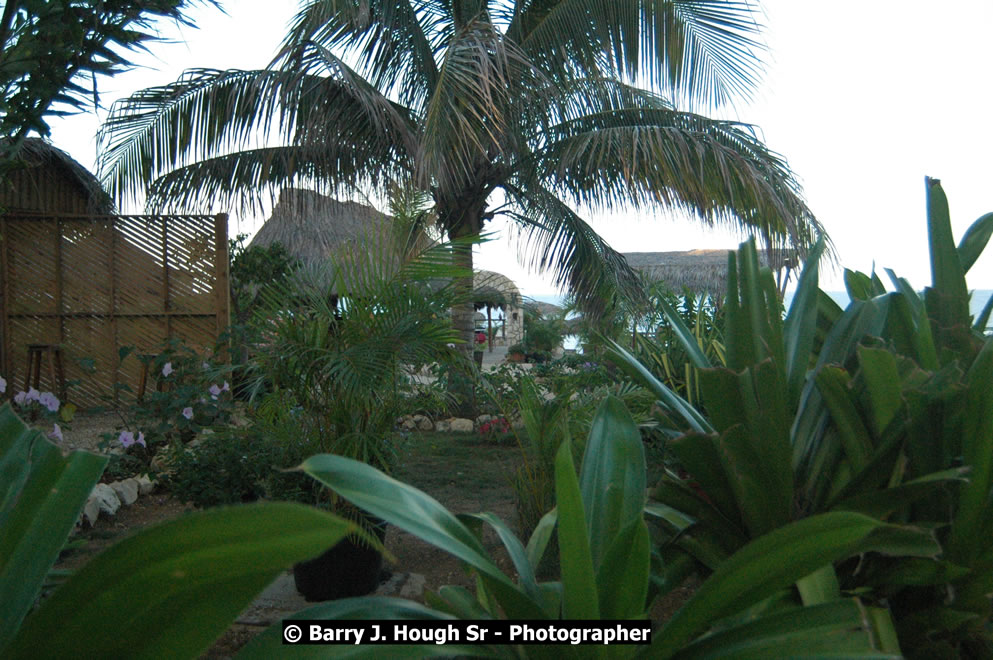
x=166 y=369
x=450 y=345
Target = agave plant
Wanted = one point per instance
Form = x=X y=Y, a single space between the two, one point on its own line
x=881 y=409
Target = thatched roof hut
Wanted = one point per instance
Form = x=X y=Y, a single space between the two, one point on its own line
x=313 y=227
x=46 y=180
x=700 y=271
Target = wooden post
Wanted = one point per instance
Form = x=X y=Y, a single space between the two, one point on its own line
x=116 y=348
x=58 y=284
x=5 y=321
x=222 y=287
x=166 y=307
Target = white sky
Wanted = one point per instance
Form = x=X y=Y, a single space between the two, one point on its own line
x=864 y=98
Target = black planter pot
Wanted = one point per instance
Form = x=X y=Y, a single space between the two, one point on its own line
x=348 y=569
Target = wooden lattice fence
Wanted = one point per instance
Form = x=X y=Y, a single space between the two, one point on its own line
x=93 y=284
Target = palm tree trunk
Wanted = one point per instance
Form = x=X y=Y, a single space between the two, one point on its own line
x=462 y=385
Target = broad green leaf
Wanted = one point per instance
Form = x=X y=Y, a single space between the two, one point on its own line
x=42 y=495
x=420 y=514
x=800 y=326
x=612 y=476
x=917 y=572
x=858 y=285
x=623 y=577
x=882 y=503
x=172 y=589
x=948 y=297
x=819 y=587
x=777 y=560
x=833 y=385
x=977 y=453
x=270 y=644
x=831 y=630
x=882 y=384
x=685 y=336
x=580 y=600
x=700 y=456
x=669 y=399
x=974 y=241
x=516 y=551
x=540 y=537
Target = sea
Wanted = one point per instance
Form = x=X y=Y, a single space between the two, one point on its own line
x=977 y=301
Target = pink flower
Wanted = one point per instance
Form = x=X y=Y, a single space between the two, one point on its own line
x=188 y=412
x=166 y=369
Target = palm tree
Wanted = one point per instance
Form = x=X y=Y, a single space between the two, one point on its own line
x=523 y=108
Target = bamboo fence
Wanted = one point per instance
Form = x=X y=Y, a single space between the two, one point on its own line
x=94 y=284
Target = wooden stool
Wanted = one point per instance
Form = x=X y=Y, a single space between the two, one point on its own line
x=146 y=362
x=56 y=374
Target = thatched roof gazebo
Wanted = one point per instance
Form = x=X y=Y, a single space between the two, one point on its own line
x=46 y=179
x=701 y=271
x=313 y=227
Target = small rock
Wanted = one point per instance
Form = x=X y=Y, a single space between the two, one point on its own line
x=482 y=419
x=460 y=425
x=424 y=424
x=91 y=510
x=442 y=425
x=145 y=484
x=106 y=499
x=408 y=424
x=413 y=588
x=126 y=491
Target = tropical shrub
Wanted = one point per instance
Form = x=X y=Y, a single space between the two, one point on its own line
x=605 y=560
x=167 y=591
x=881 y=409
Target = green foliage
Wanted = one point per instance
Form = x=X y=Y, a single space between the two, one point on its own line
x=50 y=49
x=185 y=394
x=604 y=554
x=165 y=592
x=882 y=409
x=342 y=335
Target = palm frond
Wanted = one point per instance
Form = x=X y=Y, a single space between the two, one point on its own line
x=717 y=170
x=700 y=51
x=389 y=39
x=560 y=242
x=240 y=180
x=161 y=130
x=470 y=119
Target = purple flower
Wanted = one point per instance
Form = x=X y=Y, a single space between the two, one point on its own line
x=141 y=439
x=126 y=438
x=21 y=398
x=188 y=412
x=3 y=384
x=215 y=391
x=56 y=433
x=226 y=387
x=33 y=394
x=166 y=369
x=49 y=400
